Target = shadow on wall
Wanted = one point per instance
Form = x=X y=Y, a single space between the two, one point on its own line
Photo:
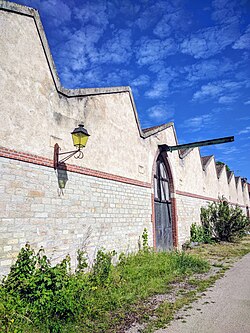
x=62 y=178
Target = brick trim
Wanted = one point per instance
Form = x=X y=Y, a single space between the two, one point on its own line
x=43 y=161
x=197 y=196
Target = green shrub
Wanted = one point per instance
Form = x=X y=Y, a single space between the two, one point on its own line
x=223 y=222
x=200 y=234
x=102 y=267
x=196 y=233
x=40 y=298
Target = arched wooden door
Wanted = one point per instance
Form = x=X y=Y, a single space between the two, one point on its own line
x=162 y=207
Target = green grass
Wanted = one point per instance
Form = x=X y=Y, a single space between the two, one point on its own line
x=110 y=298
x=82 y=305
x=221 y=255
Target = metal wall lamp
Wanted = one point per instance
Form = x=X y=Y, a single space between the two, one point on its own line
x=80 y=137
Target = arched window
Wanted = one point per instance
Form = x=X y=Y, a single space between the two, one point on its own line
x=162 y=203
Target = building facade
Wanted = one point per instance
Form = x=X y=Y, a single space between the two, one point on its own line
x=122 y=185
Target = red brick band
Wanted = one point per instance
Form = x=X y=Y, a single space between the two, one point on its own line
x=39 y=160
x=197 y=196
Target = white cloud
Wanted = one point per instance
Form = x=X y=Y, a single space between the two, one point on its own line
x=160 y=112
x=94 y=13
x=50 y=9
x=210 y=41
x=247 y=102
x=227 y=11
x=244 y=41
x=141 y=80
x=117 y=49
x=149 y=13
x=198 y=123
x=227 y=99
x=229 y=150
x=160 y=86
x=224 y=91
x=169 y=23
x=209 y=69
x=209 y=90
x=245 y=131
x=159 y=89
x=153 y=50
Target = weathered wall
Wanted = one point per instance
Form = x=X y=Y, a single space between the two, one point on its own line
x=92 y=213
x=37 y=116
x=108 y=194
x=197 y=187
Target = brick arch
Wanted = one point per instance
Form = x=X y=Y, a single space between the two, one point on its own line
x=168 y=166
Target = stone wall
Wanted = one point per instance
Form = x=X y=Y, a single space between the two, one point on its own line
x=89 y=213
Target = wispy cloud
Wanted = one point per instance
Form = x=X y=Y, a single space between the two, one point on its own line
x=209 y=69
x=247 y=102
x=198 y=123
x=227 y=99
x=160 y=112
x=210 y=41
x=244 y=41
x=229 y=150
x=160 y=86
x=225 y=91
x=94 y=13
x=245 y=130
x=117 y=49
x=153 y=50
x=150 y=12
x=227 y=11
x=141 y=80
x=50 y=8
x=167 y=25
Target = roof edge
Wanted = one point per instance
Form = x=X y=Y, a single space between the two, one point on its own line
x=209 y=159
x=68 y=93
x=156 y=129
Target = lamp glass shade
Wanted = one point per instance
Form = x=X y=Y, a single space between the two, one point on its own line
x=80 y=136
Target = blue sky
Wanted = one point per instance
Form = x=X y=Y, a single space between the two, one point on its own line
x=187 y=61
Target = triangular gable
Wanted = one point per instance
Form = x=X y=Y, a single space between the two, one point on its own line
x=219 y=169
x=229 y=176
x=205 y=160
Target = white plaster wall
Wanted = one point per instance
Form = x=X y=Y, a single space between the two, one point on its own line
x=210 y=180
x=34 y=116
x=232 y=190
x=190 y=173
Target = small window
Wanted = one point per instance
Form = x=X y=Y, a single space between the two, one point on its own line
x=163 y=173
x=164 y=190
x=156 y=188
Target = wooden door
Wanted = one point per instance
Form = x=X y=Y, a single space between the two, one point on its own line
x=162 y=203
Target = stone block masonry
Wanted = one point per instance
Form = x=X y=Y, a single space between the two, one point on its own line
x=89 y=213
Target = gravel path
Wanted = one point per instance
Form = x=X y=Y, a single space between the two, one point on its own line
x=225 y=308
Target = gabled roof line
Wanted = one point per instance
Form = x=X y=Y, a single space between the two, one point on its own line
x=229 y=176
x=74 y=93
x=205 y=160
x=156 y=129
x=237 y=180
x=219 y=169
x=184 y=152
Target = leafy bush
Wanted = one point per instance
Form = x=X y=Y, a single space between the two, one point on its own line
x=102 y=267
x=223 y=222
x=40 y=298
x=200 y=234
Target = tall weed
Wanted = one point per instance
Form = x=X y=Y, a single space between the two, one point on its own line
x=39 y=297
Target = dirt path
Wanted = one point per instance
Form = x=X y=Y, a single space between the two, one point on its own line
x=224 y=309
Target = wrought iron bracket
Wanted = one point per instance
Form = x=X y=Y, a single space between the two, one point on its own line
x=76 y=153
